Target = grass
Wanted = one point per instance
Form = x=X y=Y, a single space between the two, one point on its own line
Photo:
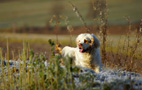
x=38 y=13
x=33 y=74
x=115 y=44
x=64 y=39
x=113 y=41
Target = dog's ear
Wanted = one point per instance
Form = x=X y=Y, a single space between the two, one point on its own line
x=96 y=42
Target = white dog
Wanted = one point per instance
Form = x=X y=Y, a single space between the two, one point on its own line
x=86 y=53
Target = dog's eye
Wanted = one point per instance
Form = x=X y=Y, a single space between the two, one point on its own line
x=85 y=41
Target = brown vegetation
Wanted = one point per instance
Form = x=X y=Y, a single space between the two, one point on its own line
x=16 y=48
x=113 y=29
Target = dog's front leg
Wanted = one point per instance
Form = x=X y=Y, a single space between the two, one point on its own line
x=68 y=51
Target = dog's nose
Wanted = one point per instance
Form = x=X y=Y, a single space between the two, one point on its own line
x=80 y=44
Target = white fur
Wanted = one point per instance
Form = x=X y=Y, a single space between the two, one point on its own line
x=86 y=53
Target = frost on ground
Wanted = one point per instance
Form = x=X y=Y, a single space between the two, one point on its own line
x=114 y=79
x=107 y=78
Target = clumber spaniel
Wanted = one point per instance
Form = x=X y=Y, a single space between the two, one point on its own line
x=86 y=53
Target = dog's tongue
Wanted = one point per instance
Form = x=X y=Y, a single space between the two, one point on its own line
x=80 y=50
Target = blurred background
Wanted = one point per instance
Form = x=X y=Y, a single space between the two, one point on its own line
x=35 y=16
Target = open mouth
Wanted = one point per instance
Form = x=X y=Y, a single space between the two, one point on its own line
x=81 y=49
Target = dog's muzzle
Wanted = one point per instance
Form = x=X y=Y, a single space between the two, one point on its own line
x=80 y=48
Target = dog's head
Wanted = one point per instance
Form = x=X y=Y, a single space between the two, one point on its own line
x=86 y=42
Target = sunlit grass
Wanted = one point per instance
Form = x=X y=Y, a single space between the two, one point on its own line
x=114 y=42
x=33 y=74
x=39 y=38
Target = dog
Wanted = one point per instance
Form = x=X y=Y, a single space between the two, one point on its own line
x=86 y=53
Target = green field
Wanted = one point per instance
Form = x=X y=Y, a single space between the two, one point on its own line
x=39 y=12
